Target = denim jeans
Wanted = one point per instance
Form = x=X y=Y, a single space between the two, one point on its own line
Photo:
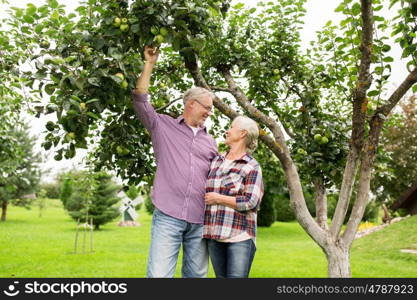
x=231 y=260
x=167 y=235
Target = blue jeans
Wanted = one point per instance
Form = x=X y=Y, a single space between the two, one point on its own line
x=231 y=260
x=167 y=235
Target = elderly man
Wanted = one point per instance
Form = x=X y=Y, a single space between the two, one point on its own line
x=183 y=151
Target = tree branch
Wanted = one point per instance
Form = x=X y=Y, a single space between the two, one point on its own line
x=304 y=111
x=321 y=203
x=294 y=185
x=169 y=104
x=397 y=95
x=254 y=112
x=220 y=89
x=192 y=66
x=376 y=124
x=297 y=200
x=358 y=118
x=364 y=180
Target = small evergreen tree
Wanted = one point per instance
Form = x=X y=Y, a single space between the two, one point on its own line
x=24 y=179
x=66 y=190
x=90 y=195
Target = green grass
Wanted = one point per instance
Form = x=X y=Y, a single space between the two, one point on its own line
x=43 y=247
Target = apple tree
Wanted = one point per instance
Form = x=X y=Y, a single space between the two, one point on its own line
x=321 y=111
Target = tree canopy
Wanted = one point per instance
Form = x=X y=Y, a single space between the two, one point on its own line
x=321 y=111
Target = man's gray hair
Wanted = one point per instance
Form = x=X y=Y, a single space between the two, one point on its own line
x=196 y=93
x=251 y=128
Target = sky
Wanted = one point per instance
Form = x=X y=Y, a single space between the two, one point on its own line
x=318 y=13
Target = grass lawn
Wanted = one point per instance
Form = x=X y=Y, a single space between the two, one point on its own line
x=33 y=246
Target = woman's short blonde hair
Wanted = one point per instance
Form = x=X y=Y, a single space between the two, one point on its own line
x=245 y=123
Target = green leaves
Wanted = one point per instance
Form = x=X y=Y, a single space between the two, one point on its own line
x=356 y=9
x=52 y=3
x=31 y=9
x=80 y=53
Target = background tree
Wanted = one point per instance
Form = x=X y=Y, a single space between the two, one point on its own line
x=330 y=100
x=24 y=179
x=397 y=170
x=91 y=195
x=52 y=189
x=11 y=103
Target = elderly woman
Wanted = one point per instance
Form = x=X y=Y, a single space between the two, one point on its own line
x=234 y=191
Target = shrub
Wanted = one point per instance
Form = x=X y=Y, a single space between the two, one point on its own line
x=52 y=190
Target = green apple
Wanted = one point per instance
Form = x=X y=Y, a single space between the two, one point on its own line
x=124 y=20
x=71 y=135
x=301 y=151
x=159 y=39
x=122 y=150
x=317 y=137
x=44 y=44
x=86 y=50
x=324 y=140
x=120 y=75
x=83 y=105
x=117 y=22
x=371 y=106
x=119 y=150
x=163 y=31
x=276 y=71
x=154 y=30
x=124 y=27
x=124 y=84
x=59 y=61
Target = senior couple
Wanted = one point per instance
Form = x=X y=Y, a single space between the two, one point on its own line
x=205 y=201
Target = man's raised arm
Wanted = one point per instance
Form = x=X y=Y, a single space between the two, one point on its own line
x=144 y=110
x=151 y=56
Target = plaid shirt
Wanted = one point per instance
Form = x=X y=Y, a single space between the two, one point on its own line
x=241 y=179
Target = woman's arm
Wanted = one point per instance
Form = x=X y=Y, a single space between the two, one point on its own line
x=250 y=199
x=216 y=198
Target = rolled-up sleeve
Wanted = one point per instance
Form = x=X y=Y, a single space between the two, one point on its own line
x=144 y=111
x=253 y=191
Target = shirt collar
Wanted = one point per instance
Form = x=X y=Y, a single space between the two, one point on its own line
x=181 y=119
x=245 y=157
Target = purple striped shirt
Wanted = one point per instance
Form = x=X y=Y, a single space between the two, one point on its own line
x=183 y=162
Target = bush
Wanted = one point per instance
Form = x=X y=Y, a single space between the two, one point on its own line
x=284 y=210
x=267 y=213
x=149 y=205
x=370 y=214
x=52 y=190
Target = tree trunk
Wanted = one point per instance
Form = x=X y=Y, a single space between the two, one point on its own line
x=321 y=203
x=338 y=262
x=4 y=210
